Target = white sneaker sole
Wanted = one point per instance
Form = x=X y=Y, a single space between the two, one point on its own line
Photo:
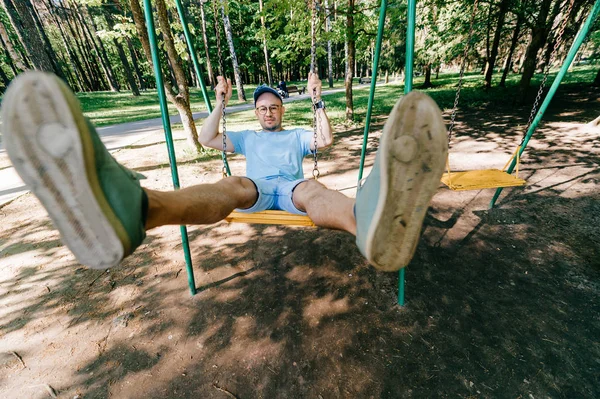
x=412 y=152
x=44 y=143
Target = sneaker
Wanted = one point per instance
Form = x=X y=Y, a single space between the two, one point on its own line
x=392 y=202
x=97 y=205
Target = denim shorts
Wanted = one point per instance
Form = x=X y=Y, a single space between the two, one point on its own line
x=274 y=193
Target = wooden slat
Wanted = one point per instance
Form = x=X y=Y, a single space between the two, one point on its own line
x=270 y=217
x=480 y=179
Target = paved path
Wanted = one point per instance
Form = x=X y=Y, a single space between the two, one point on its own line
x=119 y=136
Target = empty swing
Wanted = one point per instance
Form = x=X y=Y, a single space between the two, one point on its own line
x=494 y=178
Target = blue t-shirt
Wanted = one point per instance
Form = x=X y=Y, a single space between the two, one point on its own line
x=273 y=154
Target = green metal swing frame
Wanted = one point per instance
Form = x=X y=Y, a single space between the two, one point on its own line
x=410 y=41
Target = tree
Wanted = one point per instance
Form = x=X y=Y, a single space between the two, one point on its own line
x=350 y=59
x=491 y=62
x=211 y=75
x=181 y=98
x=265 y=49
x=539 y=32
x=22 y=20
x=236 y=68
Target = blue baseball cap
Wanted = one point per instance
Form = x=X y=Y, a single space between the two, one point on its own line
x=262 y=89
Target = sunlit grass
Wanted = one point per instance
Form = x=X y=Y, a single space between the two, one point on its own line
x=106 y=108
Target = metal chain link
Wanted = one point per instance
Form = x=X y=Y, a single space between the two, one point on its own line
x=224 y=122
x=316 y=125
x=462 y=70
x=557 y=44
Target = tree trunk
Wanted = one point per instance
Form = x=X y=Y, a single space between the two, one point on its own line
x=76 y=67
x=182 y=99
x=539 y=32
x=503 y=9
x=427 y=84
x=86 y=72
x=8 y=56
x=101 y=50
x=135 y=62
x=90 y=59
x=15 y=57
x=218 y=38
x=21 y=19
x=126 y=67
x=48 y=46
x=211 y=75
x=351 y=61
x=513 y=45
x=234 y=61
x=265 y=50
x=313 y=36
x=329 y=52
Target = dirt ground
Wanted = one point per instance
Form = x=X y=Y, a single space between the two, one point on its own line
x=501 y=303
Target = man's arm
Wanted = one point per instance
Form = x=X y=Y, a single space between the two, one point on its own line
x=324 y=131
x=209 y=134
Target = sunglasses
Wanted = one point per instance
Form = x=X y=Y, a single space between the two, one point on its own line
x=272 y=108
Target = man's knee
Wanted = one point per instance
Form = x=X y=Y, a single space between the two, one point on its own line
x=306 y=191
x=240 y=187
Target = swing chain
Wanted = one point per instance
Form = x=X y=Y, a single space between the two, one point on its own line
x=316 y=125
x=224 y=121
x=557 y=44
x=462 y=70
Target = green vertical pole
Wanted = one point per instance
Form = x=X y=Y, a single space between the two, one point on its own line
x=410 y=46
x=382 y=12
x=408 y=82
x=190 y=43
x=579 y=39
x=168 y=134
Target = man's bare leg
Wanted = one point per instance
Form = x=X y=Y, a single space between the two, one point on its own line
x=326 y=208
x=200 y=204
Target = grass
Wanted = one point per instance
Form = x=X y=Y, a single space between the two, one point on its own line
x=107 y=108
x=472 y=96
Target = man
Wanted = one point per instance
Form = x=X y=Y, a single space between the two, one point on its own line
x=103 y=213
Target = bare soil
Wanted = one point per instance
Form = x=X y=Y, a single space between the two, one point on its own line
x=500 y=303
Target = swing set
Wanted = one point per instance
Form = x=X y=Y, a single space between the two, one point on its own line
x=463 y=180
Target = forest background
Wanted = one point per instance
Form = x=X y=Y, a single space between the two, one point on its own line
x=102 y=45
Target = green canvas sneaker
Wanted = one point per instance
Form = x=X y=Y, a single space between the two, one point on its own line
x=97 y=205
x=392 y=202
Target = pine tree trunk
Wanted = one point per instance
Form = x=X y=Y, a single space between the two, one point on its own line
x=101 y=50
x=96 y=75
x=48 y=46
x=218 y=39
x=511 y=50
x=265 y=50
x=136 y=66
x=8 y=56
x=538 y=35
x=313 y=37
x=350 y=60
x=76 y=67
x=503 y=9
x=126 y=67
x=14 y=56
x=236 y=68
x=329 y=51
x=23 y=23
x=211 y=75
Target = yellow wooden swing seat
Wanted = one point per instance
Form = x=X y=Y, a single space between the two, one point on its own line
x=481 y=179
x=270 y=217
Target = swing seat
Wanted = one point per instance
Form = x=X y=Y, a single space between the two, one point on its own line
x=480 y=179
x=270 y=217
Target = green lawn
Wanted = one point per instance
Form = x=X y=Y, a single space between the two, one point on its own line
x=106 y=108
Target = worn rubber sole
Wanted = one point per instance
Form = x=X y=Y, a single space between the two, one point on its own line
x=412 y=152
x=50 y=147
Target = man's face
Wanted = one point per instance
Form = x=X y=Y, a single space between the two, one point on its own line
x=269 y=111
